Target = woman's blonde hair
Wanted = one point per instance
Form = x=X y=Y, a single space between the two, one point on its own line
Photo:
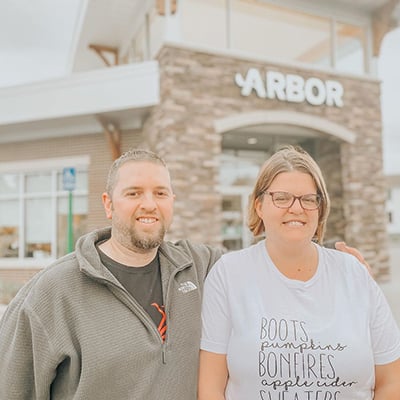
x=288 y=159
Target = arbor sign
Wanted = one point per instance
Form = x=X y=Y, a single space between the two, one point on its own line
x=290 y=87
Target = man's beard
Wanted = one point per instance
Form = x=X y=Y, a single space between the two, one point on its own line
x=130 y=238
x=146 y=242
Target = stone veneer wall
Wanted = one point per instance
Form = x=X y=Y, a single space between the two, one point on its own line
x=328 y=158
x=198 y=88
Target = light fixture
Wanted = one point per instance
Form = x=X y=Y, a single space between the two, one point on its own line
x=252 y=140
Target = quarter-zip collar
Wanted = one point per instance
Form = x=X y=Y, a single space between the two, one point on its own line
x=90 y=264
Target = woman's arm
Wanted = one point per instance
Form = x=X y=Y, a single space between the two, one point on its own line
x=213 y=375
x=387 y=381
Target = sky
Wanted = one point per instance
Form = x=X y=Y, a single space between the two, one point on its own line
x=36 y=39
x=36 y=43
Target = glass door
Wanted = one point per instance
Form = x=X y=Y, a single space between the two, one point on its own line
x=235 y=233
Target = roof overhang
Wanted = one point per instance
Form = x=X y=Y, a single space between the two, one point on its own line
x=122 y=95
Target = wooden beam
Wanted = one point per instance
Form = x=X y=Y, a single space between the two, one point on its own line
x=161 y=6
x=100 y=50
x=382 y=23
x=113 y=135
x=322 y=48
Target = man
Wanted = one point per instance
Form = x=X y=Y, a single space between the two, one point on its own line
x=119 y=318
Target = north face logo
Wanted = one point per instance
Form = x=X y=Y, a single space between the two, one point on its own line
x=187 y=286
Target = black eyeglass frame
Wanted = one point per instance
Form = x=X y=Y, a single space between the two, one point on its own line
x=294 y=198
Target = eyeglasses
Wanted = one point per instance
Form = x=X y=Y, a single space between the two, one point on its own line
x=286 y=200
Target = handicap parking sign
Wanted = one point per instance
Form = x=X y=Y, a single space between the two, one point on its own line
x=69 y=178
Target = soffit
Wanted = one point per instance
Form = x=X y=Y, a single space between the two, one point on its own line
x=107 y=23
x=124 y=120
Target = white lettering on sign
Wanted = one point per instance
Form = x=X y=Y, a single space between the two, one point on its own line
x=292 y=88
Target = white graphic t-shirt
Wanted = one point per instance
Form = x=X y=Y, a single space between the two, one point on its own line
x=293 y=340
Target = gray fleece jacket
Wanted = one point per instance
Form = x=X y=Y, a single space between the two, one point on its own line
x=73 y=332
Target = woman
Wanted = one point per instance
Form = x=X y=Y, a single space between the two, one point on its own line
x=288 y=319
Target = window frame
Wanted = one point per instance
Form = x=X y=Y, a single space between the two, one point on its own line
x=22 y=169
x=332 y=15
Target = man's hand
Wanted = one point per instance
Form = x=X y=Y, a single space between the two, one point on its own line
x=342 y=246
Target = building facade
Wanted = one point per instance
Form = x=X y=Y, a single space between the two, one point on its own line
x=214 y=87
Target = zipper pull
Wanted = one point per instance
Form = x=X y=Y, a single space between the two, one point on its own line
x=164 y=355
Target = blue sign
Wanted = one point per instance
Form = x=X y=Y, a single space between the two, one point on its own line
x=69 y=178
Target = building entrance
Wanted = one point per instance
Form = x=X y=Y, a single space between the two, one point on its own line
x=244 y=152
x=235 y=233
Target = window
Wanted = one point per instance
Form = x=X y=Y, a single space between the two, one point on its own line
x=350 y=44
x=269 y=30
x=261 y=27
x=156 y=31
x=238 y=172
x=137 y=50
x=204 y=22
x=9 y=215
x=35 y=210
